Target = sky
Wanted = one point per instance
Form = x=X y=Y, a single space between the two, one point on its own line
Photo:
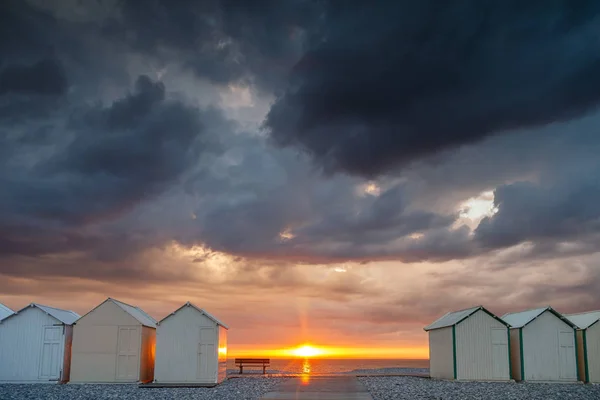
x=323 y=172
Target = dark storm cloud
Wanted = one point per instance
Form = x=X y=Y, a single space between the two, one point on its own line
x=269 y=204
x=112 y=173
x=559 y=208
x=395 y=81
x=221 y=40
x=46 y=77
x=120 y=154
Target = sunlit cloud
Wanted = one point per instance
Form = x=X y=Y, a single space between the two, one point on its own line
x=286 y=235
x=478 y=207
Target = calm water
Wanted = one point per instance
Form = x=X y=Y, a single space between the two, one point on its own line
x=329 y=366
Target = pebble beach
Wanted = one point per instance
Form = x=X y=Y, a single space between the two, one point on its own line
x=253 y=388
x=410 y=388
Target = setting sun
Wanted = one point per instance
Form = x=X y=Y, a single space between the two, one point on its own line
x=307 y=351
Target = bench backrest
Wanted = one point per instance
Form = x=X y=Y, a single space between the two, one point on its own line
x=252 y=361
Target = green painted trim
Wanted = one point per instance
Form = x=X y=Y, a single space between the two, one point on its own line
x=585 y=357
x=510 y=373
x=576 y=354
x=454 y=349
x=521 y=352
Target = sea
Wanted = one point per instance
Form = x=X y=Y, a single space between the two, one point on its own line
x=335 y=366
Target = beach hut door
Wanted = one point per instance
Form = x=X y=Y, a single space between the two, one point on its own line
x=50 y=360
x=127 y=357
x=500 y=353
x=566 y=353
x=207 y=355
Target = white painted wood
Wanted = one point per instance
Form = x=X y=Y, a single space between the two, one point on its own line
x=566 y=355
x=482 y=348
x=52 y=344
x=441 y=362
x=549 y=349
x=108 y=344
x=32 y=345
x=593 y=352
x=187 y=344
x=128 y=353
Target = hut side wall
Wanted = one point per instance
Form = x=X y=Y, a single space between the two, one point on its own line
x=544 y=359
x=222 y=373
x=441 y=353
x=66 y=375
x=593 y=352
x=482 y=348
x=515 y=354
x=147 y=351
x=580 y=356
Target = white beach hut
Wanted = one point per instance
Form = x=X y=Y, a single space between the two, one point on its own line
x=588 y=345
x=5 y=311
x=114 y=342
x=191 y=347
x=543 y=346
x=35 y=345
x=470 y=344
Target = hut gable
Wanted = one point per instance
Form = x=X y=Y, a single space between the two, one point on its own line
x=523 y=318
x=5 y=311
x=111 y=311
x=200 y=310
x=584 y=320
x=455 y=317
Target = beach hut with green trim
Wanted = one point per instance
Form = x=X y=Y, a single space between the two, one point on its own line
x=543 y=346
x=471 y=345
x=588 y=345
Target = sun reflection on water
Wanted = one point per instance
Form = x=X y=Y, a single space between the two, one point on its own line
x=305 y=378
x=306 y=366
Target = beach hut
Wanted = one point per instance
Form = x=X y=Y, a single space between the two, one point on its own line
x=470 y=344
x=5 y=311
x=191 y=347
x=35 y=345
x=113 y=343
x=543 y=346
x=588 y=345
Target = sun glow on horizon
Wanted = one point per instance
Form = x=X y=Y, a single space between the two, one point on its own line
x=307 y=351
x=313 y=351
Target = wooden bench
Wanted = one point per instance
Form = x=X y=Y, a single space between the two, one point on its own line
x=252 y=362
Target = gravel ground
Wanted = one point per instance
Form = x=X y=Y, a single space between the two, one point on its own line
x=390 y=371
x=238 y=388
x=401 y=388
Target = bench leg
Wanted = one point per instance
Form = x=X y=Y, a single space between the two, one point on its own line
x=264 y=369
x=241 y=369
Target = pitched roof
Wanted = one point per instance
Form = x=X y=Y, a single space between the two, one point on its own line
x=137 y=313
x=67 y=317
x=584 y=320
x=5 y=311
x=202 y=311
x=455 y=317
x=522 y=318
